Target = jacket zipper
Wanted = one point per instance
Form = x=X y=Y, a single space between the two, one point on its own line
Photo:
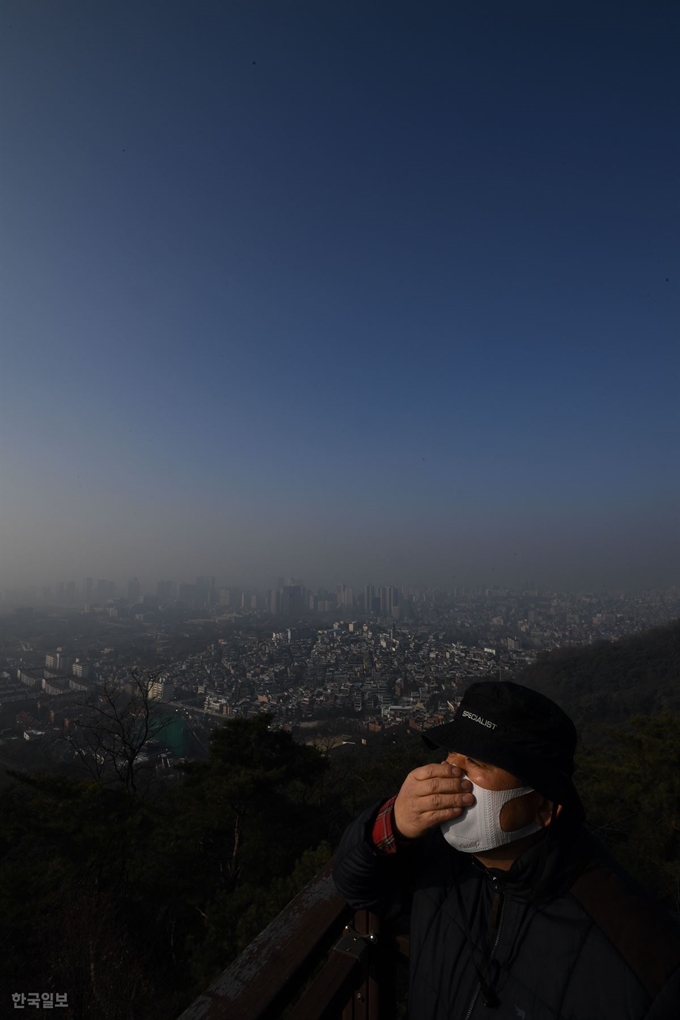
x=493 y=950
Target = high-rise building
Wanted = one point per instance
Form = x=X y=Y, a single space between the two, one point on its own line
x=87 y=589
x=225 y=597
x=372 y=600
x=205 y=591
x=187 y=594
x=165 y=590
x=134 y=589
x=345 y=596
x=58 y=660
x=292 y=599
x=389 y=600
x=102 y=590
x=162 y=690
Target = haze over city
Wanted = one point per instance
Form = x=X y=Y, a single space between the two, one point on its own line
x=357 y=293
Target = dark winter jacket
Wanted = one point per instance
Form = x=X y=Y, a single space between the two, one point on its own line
x=594 y=947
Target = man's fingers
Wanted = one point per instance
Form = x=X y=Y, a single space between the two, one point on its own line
x=432 y=771
x=438 y=802
x=432 y=817
x=442 y=786
x=444 y=802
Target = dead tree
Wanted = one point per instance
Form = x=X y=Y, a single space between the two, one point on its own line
x=112 y=728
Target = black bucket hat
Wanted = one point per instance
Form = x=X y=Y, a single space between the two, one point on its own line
x=519 y=730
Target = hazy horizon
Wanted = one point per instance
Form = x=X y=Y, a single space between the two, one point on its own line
x=513 y=561
x=354 y=293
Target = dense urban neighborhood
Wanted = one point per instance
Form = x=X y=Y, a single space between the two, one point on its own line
x=335 y=671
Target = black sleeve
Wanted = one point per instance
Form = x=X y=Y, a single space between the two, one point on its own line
x=371 y=880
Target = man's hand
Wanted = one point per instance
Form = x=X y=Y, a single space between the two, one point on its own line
x=429 y=796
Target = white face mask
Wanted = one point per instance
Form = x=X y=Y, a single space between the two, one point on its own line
x=479 y=827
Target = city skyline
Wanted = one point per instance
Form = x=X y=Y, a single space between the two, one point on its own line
x=372 y=292
x=211 y=592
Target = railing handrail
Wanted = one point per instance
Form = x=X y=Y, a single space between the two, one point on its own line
x=265 y=977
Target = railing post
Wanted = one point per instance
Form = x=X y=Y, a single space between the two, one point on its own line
x=366 y=1002
x=392 y=965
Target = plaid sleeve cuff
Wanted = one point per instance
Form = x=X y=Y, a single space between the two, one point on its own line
x=383 y=829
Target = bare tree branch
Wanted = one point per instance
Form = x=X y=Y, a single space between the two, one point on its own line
x=113 y=729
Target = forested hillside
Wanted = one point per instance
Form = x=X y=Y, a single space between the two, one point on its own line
x=608 y=682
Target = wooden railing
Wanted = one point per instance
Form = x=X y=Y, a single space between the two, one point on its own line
x=318 y=960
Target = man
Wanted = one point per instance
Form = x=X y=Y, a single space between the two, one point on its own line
x=517 y=911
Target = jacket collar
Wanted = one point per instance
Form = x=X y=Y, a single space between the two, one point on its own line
x=552 y=864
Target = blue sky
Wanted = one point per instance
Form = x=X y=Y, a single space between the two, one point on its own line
x=349 y=291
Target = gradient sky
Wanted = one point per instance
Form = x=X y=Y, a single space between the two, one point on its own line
x=352 y=291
